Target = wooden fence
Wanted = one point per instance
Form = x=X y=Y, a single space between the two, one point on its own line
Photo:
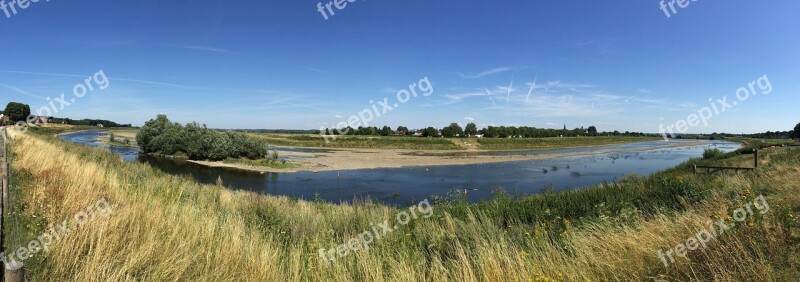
x=13 y=272
x=713 y=169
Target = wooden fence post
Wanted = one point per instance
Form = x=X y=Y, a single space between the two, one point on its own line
x=755 y=162
x=694 y=170
x=15 y=272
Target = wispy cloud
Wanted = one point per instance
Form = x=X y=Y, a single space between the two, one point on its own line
x=112 y=78
x=486 y=73
x=600 y=45
x=211 y=49
x=20 y=91
x=559 y=99
x=235 y=53
x=469 y=118
x=141 y=81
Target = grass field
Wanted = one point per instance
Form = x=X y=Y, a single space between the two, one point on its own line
x=170 y=228
x=553 y=143
x=420 y=143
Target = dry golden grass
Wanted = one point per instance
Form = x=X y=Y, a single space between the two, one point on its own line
x=166 y=228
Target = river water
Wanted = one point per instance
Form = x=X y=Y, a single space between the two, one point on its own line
x=400 y=186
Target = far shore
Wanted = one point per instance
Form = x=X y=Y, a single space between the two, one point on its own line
x=353 y=159
x=357 y=158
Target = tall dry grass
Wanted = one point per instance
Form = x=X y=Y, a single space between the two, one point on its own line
x=168 y=228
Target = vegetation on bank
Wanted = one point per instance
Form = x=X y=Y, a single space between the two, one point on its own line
x=162 y=137
x=556 y=143
x=454 y=130
x=270 y=163
x=171 y=228
x=415 y=143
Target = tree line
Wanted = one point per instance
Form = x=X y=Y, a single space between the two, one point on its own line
x=17 y=112
x=471 y=130
x=197 y=142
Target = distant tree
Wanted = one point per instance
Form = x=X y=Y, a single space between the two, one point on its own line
x=386 y=131
x=592 y=131
x=17 y=111
x=471 y=129
x=796 y=132
x=452 y=130
x=402 y=130
x=370 y=131
x=430 y=132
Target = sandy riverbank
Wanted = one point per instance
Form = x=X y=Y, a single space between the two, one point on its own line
x=350 y=159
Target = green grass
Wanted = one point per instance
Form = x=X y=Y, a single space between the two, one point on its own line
x=261 y=162
x=59 y=129
x=748 y=144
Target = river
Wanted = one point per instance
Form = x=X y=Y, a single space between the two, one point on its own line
x=400 y=186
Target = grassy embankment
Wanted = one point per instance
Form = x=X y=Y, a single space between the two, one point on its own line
x=420 y=143
x=170 y=228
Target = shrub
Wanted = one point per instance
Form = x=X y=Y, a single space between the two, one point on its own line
x=197 y=142
x=711 y=153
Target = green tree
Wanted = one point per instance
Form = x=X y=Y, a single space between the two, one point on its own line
x=161 y=136
x=402 y=130
x=471 y=129
x=796 y=132
x=452 y=130
x=17 y=111
x=171 y=141
x=196 y=146
x=150 y=131
x=386 y=131
x=221 y=146
x=592 y=130
x=430 y=132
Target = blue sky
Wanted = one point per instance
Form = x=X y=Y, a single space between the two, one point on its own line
x=279 y=64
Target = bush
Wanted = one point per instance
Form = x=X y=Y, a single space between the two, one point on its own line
x=711 y=153
x=197 y=142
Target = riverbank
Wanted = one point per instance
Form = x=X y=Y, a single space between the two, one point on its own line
x=443 y=144
x=600 y=233
x=318 y=160
x=353 y=159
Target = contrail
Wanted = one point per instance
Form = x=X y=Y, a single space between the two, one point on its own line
x=508 y=95
x=531 y=90
x=489 y=93
x=20 y=91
